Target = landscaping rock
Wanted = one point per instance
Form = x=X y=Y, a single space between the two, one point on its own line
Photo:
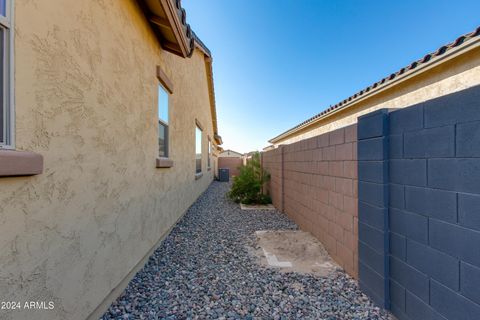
x=203 y=270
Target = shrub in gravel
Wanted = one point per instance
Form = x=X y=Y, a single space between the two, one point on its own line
x=247 y=187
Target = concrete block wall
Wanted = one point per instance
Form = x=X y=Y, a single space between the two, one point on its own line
x=433 y=195
x=373 y=206
x=233 y=164
x=272 y=162
x=314 y=181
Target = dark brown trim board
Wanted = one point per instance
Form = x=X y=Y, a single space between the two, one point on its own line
x=168 y=21
x=199 y=124
x=164 y=80
x=177 y=24
x=159 y=21
x=20 y=163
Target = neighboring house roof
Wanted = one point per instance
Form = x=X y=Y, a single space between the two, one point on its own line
x=464 y=42
x=232 y=151
x=169 y=22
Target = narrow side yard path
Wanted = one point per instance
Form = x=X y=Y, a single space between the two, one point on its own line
x=203 y=270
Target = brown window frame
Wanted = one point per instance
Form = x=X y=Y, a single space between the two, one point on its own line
x=209 y=154
x=163 y=160
x=198 y=128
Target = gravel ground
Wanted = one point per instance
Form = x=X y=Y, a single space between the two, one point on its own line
x=203 y=270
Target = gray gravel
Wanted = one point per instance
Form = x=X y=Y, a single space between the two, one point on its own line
x=204 y=271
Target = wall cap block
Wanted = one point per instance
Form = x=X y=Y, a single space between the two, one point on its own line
x=374 y=113
x=373 y=125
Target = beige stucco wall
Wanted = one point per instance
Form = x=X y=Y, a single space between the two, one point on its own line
x=86 y=99
x=457 y=74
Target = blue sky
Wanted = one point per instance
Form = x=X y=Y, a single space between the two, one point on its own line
x=279 y=62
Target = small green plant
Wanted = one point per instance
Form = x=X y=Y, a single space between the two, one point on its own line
x=248 y=186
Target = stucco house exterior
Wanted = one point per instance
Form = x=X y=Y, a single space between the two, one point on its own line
x=451 y=68
x=108 y=134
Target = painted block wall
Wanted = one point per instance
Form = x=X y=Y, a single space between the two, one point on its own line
x=230 y=163
x=314 y=182
x=433 y=198
x=272 y=161
x=373 y=205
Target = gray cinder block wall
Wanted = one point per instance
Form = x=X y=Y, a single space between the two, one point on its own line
x=419 y=170
x=373 y=236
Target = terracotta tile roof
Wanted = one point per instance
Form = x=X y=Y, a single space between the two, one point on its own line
x=474 y=35
x=193 y=38
x=192 y=42
x=182 y=14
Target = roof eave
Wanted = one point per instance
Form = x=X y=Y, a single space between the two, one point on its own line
x=175 y=22
x=218 y=139
x=211 y=92
x=452 y=53
x=184 y=42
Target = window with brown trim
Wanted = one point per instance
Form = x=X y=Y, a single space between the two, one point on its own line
x=198 y=149
x=163 y=110
x=209 y=153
